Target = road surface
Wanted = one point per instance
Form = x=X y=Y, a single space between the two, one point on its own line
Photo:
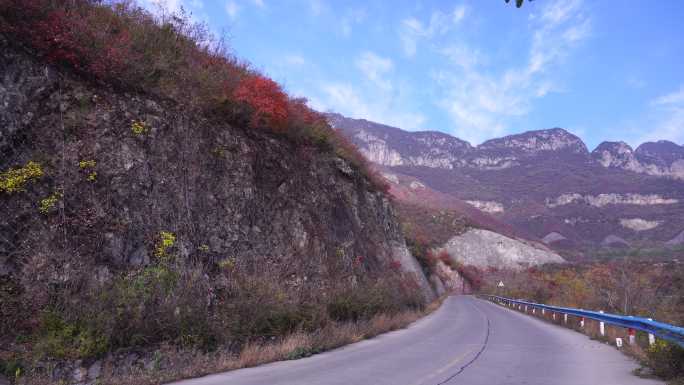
x=466 y=342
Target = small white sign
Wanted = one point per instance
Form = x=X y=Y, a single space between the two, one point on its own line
x=618 y=342
x=500 y=284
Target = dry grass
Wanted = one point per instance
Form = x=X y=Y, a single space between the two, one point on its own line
x=177 y=364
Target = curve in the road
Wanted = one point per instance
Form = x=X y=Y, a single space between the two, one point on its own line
x=467 y=341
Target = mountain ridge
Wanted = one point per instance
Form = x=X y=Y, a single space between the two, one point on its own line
x=543 y=181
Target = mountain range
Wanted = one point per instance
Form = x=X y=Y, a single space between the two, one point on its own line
x=545 y=184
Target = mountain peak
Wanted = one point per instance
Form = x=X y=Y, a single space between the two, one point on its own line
x=615 y=154
x=661 y=153
x=552 y=139
x=618 y=147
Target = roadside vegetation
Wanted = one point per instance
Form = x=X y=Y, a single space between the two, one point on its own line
x=218 y=317
x=186 y=311
x=646 y=289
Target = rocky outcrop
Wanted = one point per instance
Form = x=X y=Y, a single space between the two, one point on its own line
x=614 y=241
x=389 y=146
x=122 y=168
x=662 y=158
x=553 y=237
x=483 y=248
x=534 y=142
x=602 y=200
x=487 y=206
x=638 y=224
x=676 y=241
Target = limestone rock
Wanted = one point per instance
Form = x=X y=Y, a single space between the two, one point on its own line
x=484 y=248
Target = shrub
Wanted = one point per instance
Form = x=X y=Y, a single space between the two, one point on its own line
x=48 y=203
x=164 y=243
x=666 y=359
x=11 y=367
x=63 y=339
x=266 y=100
x=139 y=128
x=14 y=180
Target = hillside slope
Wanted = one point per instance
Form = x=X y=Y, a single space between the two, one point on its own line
x=131 y=220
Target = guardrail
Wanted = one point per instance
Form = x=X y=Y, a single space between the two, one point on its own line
x=662 y=330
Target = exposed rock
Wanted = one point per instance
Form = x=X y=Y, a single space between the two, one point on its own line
x=410 y=265
x=437 y=285
x=553 y=237
x=536 y=171
x=610 y=199
x=483 y=248
x=453 y=282
x=662 y=158
x=676 y=241
x=95 y=370
x=400 y=148
x=240 y=192
x=78 y=373
x=487 y=206
x=493 y=163
x=533 y=142
x=638 y=224
x=614 y=241
x=391 y=178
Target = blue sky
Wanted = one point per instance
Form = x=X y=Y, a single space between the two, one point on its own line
x=476 y=69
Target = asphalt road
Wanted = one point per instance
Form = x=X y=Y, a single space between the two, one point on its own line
x=467 y=342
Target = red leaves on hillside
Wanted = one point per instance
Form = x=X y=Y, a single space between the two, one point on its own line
x=267 y=101
x=472 y=275
x=446 y=258
x=124 y=45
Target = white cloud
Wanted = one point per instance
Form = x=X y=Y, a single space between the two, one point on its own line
x=667 y=118
x=232 y=9
x=374 y=68
x=197 y=4
x=351 y=17
x=413 y=30
x=459 y=13
x=316 y=7
x=482 y=102
x=462 y=55
x=373 y=96
x=673 y=100
x=636 y=82
x=294 y=60
x=379 y=107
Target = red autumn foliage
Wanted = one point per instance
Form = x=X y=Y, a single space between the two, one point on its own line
x=446 y=258
x=267 y=101
x=168 y=56
x=472 y=275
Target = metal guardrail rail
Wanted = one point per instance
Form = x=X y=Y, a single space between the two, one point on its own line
x=659 y=329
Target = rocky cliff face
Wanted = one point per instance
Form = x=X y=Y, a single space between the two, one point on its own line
x=118 y=171
x=662 y=158
x=547 y=182
x=483 y=248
